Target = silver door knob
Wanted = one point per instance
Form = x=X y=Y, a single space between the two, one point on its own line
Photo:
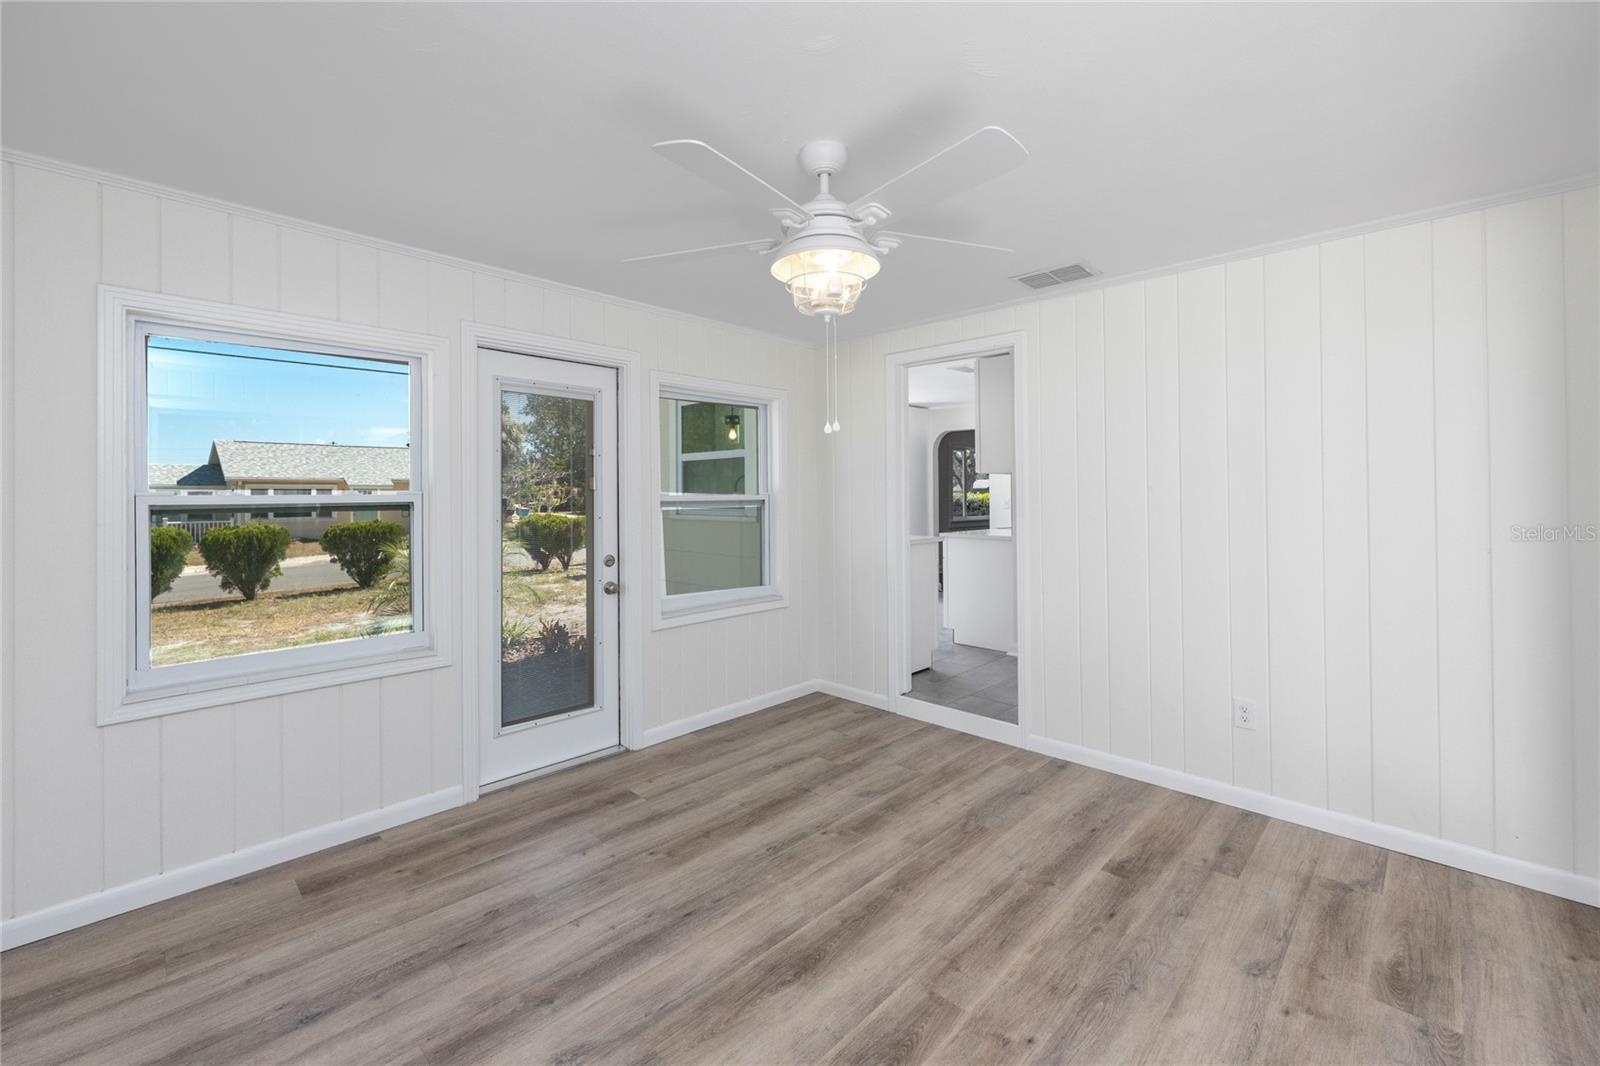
x=609 y=588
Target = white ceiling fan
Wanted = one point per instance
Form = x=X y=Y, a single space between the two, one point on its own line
x=828 y=249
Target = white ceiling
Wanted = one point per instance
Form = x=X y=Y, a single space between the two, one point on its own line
x=519 y=135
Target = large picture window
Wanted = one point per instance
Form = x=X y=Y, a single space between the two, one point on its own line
x=276 y=505
x=717 y=499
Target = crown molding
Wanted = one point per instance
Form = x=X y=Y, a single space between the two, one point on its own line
x=1430 y=214
x=1103 y=281
x=167 y=192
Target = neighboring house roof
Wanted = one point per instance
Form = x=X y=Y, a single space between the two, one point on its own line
x=233 y=461
x=359 y=466
x=186 y=475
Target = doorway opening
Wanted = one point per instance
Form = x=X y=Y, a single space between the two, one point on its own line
x=960 y=580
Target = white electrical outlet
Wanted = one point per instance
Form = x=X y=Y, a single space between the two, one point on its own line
x=1246 y=714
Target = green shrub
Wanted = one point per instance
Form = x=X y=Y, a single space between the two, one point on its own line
x=169 y=546
x=556 y=639
x=547 y=535
x=245 y=558
x=364 y=550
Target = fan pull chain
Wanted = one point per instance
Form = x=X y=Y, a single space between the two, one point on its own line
x=831 y=362
x=830 y=375
x=836 y=375
x=827 y=376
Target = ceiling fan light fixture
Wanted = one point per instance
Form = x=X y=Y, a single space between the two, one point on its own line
x=825 y=280
x=829 y=293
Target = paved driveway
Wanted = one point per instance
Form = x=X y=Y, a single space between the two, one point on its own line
x=306 y=572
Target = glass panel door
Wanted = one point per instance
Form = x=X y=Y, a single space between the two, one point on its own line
x=547 y=595
x=545 y=535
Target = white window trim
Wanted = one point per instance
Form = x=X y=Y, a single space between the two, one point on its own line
x=690 y=608
x=125 y=693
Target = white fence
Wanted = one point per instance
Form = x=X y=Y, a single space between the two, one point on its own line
x=310 y=527
x=197 y=530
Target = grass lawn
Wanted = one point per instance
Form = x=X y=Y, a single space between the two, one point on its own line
x=191 y=632
x=211 y=629
x=531 y=597
x=297 y=549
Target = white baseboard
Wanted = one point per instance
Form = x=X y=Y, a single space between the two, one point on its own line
x=845 y=692
x=1548 y=879
x=85 y=910
x=726 y=713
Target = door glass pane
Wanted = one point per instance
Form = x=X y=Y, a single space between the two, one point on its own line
x=547 y=522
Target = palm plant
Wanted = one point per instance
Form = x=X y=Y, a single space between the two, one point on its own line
x=392 y=594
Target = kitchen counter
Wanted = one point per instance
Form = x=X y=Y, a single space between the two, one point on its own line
x=980 y=588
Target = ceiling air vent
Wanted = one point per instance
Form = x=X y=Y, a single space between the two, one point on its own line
x=1043 y=279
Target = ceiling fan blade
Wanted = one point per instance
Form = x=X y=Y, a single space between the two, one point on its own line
x=969 y=162
x=765 y=244
x=701 y=159
x=941 y=240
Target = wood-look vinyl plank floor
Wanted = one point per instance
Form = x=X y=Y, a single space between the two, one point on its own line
x=822 y=882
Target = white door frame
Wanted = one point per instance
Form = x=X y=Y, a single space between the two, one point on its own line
x=633 y=569
x=1024 y=526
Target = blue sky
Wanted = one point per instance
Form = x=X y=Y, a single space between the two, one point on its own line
x=200 y=391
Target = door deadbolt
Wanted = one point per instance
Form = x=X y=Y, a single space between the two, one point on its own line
x=610 y=560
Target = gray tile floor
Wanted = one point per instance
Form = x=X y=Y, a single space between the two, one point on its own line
x=970 y=679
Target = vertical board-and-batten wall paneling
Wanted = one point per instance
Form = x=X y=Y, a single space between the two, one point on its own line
x=8 y=616
x=1291 y=338
x=1581 y=221
x=1203 y=516
x=1094 y=699
x=1532 y=589
x=1245 y=310
x=90 y=809
x=1127 y=523
x=1402 y=529
x=1346 y=578
x=1352 y=481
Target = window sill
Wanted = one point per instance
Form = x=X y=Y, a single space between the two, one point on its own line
x=668 y=617
x=137 y=704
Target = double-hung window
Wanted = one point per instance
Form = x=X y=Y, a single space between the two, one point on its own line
x=275 y=501
x=719 y=551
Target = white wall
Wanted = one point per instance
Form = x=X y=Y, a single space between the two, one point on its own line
x=88 y=809
x=1293 y=478
x=1283 y=478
